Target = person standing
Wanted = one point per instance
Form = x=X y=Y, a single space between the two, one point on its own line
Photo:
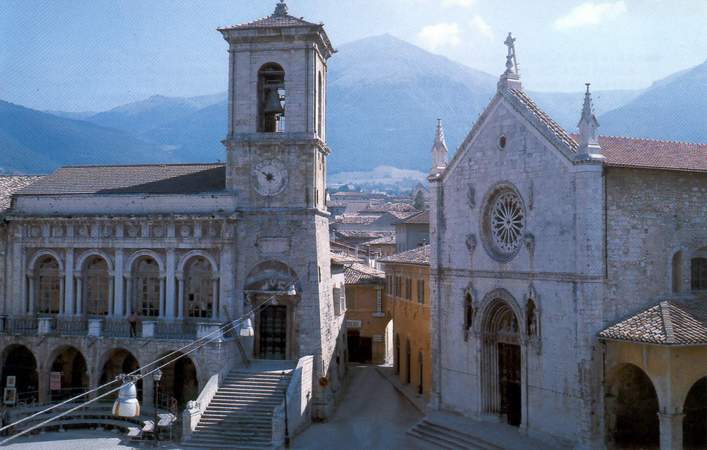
x=133 y=320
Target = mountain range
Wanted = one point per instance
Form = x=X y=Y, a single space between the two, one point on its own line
x=383 y=100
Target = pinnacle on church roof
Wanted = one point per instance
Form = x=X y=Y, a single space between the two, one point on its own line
x=510 y=79
x=439 y=149
x=280 y=9
x=588 y=126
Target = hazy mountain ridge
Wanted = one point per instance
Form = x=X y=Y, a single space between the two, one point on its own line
x=383 y=100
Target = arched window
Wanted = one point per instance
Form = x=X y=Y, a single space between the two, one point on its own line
x=96 y=286
x=198 y=288
x=531 y=319
x=48 y=286
x=468 y=315
x=147 y=287
x=677 y=272
x=320 y=113
x=699 y=274
x=271 y=98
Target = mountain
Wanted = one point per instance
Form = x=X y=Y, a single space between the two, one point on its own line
x=152 y=113
x=36 y=142
x=674 y=108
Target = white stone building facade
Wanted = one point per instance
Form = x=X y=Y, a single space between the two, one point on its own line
x=188 y=247
x=543 y=243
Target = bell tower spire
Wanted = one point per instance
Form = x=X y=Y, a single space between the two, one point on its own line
x=439 y=150
x=510 y=78
x=588 y=125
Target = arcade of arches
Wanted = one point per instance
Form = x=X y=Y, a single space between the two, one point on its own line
x=67 y=373
x=655 y=396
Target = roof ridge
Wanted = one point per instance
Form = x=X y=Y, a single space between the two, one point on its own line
x=665 y=307
x=667 y=141
x=82 y=166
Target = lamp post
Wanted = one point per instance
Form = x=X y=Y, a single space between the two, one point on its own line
x=157 y=376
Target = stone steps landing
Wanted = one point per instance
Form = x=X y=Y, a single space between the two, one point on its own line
x=448 y=438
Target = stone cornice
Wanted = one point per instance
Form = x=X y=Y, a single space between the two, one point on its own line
x=520 y=275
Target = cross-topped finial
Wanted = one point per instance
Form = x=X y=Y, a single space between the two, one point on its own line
x=280 y=9
x=511 y=61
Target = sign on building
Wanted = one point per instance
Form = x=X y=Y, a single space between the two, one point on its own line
x=55 y=381
x=353 y=324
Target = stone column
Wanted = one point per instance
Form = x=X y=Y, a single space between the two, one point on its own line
x=31 y=281
x=111 y=298
x=128 y=294
x=214 y=296
x=163 y=280
x=180 y=295
x=68 y=289
x=148 y=394
x=671 y=431
x=170 y=300
x=118 y=281
x=43 y=385
x=62 y=298
x=79 y=295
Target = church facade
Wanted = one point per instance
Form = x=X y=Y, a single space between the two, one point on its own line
x=186 y=247
x=568 y=279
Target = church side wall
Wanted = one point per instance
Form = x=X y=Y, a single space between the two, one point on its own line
x=651 y=215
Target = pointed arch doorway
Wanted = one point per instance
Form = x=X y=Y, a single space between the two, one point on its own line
x=501 y=363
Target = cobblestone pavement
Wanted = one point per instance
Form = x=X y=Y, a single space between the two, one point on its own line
x=372 y=415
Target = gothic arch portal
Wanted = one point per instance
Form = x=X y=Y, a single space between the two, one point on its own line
x=501 y=358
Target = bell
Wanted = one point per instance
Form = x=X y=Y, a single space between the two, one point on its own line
x=127 y=405
x=272 y=103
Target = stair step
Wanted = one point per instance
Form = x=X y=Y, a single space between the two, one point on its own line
x=451 y=436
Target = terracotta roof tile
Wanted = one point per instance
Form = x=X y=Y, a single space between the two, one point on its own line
x=653 y=154
x=422 y=217
x=140 y=179
x=10 y=185
x=667 y=323
x=419 y=255
x=358 y=273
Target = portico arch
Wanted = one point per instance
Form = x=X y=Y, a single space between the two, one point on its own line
x=501 y=358
x=70 y=365
x=20 y=362
x=271 y=282
x=631 y=408
x=695 y=421
x=115 y=362
x=179 y=382
x=197 y=287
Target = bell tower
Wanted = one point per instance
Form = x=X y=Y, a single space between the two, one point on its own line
x=276 y=171
x=276 y=111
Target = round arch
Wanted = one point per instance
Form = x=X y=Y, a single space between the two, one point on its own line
x=695 y=410
x=114 y=362
x=81 y=261
x=69 y=362
x=631 y=407
x=42 y=253
x=194 y=254
x=491 y=301
x=21 y=362
x=179 y=383
x=141 y=254
x=271 y=276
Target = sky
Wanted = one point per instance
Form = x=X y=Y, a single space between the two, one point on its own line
x=91 y=55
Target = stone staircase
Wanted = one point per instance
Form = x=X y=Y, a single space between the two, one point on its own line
x=447 y=438
x=240 y=414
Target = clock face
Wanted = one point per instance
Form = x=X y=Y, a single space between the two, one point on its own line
x=270 y=177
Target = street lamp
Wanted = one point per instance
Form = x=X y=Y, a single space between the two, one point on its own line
x=157 y=376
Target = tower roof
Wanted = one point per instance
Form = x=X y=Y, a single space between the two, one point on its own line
x=279 y=18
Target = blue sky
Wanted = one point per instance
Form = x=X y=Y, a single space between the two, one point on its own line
x=95 y=54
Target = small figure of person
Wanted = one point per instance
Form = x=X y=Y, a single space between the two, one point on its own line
x=133 y=320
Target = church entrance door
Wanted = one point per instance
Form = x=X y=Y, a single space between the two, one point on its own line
x=509 y=382
x=272 y=332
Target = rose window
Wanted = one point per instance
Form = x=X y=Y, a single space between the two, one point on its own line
x=504 y=224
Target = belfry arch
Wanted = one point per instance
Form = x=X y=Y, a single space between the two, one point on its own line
x=501 y=361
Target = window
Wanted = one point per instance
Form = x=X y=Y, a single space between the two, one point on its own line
x=339 y=299
x=379 y=301
x=146 y=298
x=504 y=224
x=677 y=272
x=271 y=98
x=421 y=292
x=96 y=288
x=398 y=286
x=468 y=315
x=49 y=286
x=198 y=288
x=320 y=113
x=408 y=289
x=389 y=284
x=699 y=274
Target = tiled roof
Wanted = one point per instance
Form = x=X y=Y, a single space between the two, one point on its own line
x=11 y=184
x=402 y=215
x=385 y=240
x=652 y=154
x=667 y=323
x=279 y=18
x=356 y=234
x=358 y=273
x=553 y=127
x=390 y=207
x=342 y=259
x=423 y=217
x=355 y=219
x=142 y=179
x=419 y=255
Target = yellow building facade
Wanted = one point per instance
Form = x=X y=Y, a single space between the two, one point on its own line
x=408 y=305
x=365 y=315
